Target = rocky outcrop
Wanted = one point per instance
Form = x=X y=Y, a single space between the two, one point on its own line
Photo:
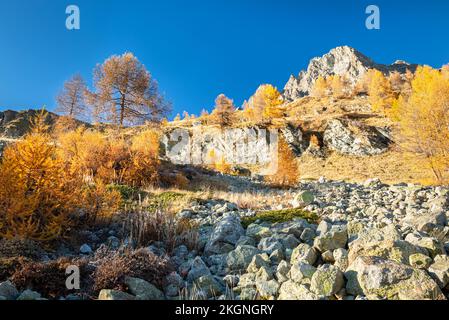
x=15 y=124
x=339 y=61
x=353 y=138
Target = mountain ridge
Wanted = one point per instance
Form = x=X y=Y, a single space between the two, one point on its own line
x=344 y=61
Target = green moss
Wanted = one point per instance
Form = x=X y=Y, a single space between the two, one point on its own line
x=127 y=192
x=163 y=200
x=281 y=216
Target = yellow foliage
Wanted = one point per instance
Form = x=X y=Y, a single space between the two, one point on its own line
x=142 y=170
x=112 y=159
x=218 y=162
x=287 y=174
x=36 y=194
x=339 y=86
x=264 y=105
x=320 y=88
x=41 y=196
x=223 y=113
x=424 y=119
x=381 y=95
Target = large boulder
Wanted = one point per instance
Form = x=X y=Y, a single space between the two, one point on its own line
x=327 y=281
x=8 y=290
x=396 y=250
x=290 y=290
x=427 y=244
x=439 y=270
x=240 y=258
x=378 y=278
x=336 y=238
x=198 y=268
x=304 y=253
x=225 y=235
x=432 y=222
x=143 y=290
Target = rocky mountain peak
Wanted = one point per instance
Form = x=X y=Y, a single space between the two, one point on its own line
x=343 y=61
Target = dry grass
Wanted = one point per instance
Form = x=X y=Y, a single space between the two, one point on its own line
x=391 y=167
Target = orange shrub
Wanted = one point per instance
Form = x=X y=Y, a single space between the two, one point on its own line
x=37 y=194
x=287 y=174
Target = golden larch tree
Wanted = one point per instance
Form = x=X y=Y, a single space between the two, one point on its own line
x=224 y=110
x=125 y=92
x=424 y=120
x=320 y=88
x=381 y=96
x=287 y=174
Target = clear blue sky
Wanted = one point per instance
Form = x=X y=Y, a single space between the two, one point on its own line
x=198 y=49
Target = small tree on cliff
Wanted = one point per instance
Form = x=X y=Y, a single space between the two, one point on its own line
x=224 y=111
x=125 y=92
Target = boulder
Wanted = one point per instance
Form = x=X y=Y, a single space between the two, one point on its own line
x=327 y=280
x=336 y=238
x=225 y=235
x=428 y=244
x=290 y=290
x=397 y=250
x=269 y=245
x=8 y=290
x=303 y=199
x=29 y=295
x=107 y=294
x=258 y=261
x=209 y=287
x=282 y=271
x=379 y=278
x=439 y=270
x=240 y=258
x=304 y=253
x=198 y=268
x=431 y=222
x=257 y=232
x=268 y=290
x=143 y=290
x=302 y=271
x=419 y=261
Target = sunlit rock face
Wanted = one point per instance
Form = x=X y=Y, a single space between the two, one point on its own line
x=343 y=61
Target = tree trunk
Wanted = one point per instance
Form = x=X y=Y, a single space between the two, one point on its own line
x=122 y=110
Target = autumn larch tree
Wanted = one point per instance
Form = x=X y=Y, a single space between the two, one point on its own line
x=320 y=88
x=265 y=104
x=287 y=174
x=224 y=110
x=125 y=92
x=70 y=101
x=340 y=86
x=424 y=120
x=381 y=96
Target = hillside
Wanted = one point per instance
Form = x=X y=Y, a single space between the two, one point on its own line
x=338 y=138
x=157 y=212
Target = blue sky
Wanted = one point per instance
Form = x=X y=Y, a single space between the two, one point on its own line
x=198 y=49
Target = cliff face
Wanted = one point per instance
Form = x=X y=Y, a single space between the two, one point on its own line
x=343 y=61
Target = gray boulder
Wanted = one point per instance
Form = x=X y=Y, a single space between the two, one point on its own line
x=240 y=258
x=225 y=235
x=8 y=290
x=143 y=290
x=378 y=278
x=327 y=280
